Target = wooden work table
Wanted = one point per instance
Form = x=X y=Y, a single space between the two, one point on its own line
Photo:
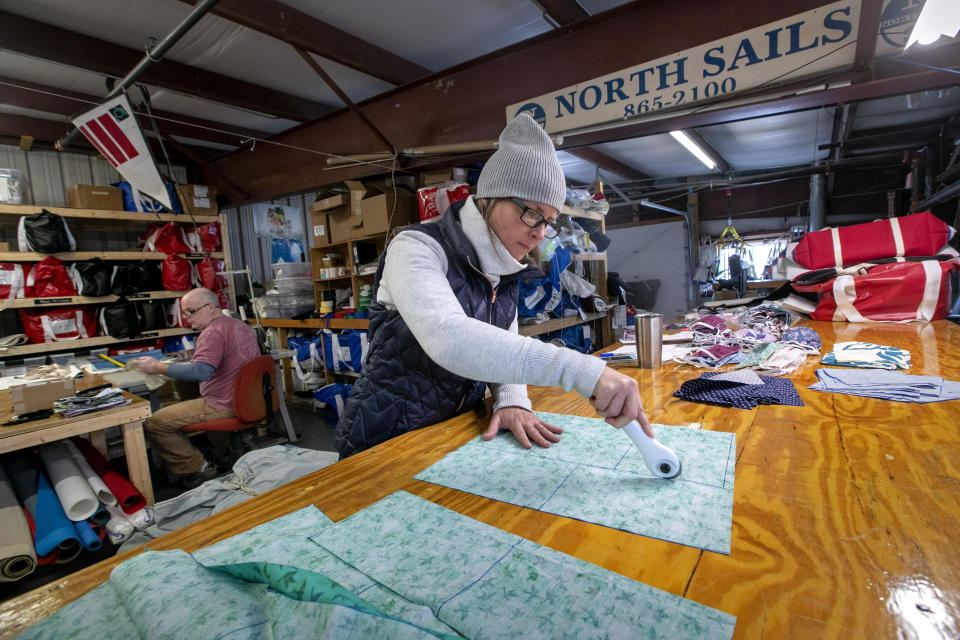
x=846 y=511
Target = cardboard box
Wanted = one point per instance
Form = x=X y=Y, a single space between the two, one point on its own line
x=320 y=226
x=332 y=202
x=198 y=199
x=370 y=210
x=88 y=196
x=456 y=174
x=33 y=396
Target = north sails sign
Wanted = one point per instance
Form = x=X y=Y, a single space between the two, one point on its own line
x=812 y=42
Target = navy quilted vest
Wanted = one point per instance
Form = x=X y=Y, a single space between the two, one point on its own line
x=401 y=388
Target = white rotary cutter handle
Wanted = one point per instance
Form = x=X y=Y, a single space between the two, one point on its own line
x=660 y=459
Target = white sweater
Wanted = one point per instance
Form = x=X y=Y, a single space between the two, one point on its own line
x=414 y=282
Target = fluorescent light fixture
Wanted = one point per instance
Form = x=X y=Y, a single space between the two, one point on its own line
x=937 y=18
x=693 y=148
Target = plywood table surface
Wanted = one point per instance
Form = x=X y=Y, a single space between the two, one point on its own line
x=846 y=511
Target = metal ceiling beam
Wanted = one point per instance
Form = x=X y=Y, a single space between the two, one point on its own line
x=313 y=64
x=39 y=40
x=607 y=163
x=303 y=31
x=31 y=95
x=867 y=33
x=467 y=102
x=563 y=12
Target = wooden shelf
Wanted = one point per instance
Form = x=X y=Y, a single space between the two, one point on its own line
x=555 y=324
x=347 y=277
x=582 y=213
x=316 y=323
x=94 y=214
x=75 y=256
x=33 y=303
x=85 y=343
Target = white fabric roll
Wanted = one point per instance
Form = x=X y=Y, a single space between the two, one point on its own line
x=96 y=483
x=141 y=519
x=17 y=555
x=119 y=528
x=78 y=500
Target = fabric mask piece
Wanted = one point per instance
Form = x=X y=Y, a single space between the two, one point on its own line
x=711 y=357
x=783 y=361
x=741 y=396
x=804 y=338
x=867 y=355
x=759 y=353
x=745 y=376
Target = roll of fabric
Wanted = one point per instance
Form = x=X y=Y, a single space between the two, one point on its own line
x=52 y=530
x=88 y=537
x=17 y=555
x=119 y=528
x=97 y=485
x=128 y=498
x=141 y=519
x=101 y=515
x=76 y=497
x=50 y=558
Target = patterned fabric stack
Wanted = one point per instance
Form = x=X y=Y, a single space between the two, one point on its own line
x=887 y=385
x=740 y=389
x=866 y=355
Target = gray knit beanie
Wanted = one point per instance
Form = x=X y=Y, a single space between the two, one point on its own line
x=524 y=166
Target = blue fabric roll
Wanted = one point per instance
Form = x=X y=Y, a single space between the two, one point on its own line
x=88 y=537
x=101 y=515
x=53 y=528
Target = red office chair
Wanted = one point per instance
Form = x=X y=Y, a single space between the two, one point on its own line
x=255 y=383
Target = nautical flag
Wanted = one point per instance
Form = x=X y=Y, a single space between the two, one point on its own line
x=113 y=130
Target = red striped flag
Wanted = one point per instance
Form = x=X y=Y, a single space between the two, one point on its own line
x=114 y=131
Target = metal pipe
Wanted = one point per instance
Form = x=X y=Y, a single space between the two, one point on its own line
x=939 y=196
x=154 y=54
x=818 y=202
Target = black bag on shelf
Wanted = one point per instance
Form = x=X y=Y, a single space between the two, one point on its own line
x=153 y=314
x=44 y=232
x=134 y=277
x=120 y=320
x=91 y=278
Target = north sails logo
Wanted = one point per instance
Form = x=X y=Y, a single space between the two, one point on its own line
x=535 y=111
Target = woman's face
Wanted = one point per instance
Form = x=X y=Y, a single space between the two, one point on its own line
x=516 y=236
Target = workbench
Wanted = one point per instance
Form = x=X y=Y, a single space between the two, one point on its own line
x=846 y=511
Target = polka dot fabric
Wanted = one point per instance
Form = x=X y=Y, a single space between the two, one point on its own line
x=740 y=396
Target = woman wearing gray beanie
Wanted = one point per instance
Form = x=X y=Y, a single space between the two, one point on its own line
x=443 y=325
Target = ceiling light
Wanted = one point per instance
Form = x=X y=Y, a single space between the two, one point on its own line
x=693 y=148
x=938 y=17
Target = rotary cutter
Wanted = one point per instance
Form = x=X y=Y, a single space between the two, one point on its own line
x=660 y=459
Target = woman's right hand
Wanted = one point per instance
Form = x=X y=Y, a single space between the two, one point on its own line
x=617 y=398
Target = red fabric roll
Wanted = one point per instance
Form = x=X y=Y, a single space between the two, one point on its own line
x=50 y=558
x=128 y=497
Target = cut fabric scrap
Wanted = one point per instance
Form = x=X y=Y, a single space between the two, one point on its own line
x=783 y=361
x=759 y=353
x=711 y=357
x=415 y=548
x=803 y=337
x=887 y=385
x=741 y=396
x=866 y=355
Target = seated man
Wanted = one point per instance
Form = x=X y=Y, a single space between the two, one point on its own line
x=223 y=347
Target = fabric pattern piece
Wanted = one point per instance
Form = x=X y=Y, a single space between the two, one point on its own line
x=417 y=549
x=167 y=594
x=783 y=361
x=759 y=353
x=887 y=385
x=803 y=337
x=741 y=396
x=867 y=355
x=596 y=475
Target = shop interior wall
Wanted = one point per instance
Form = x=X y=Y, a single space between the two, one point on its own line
x=655 y=254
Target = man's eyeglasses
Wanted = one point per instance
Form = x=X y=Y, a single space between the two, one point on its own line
x=189 y=312
x=534 y=219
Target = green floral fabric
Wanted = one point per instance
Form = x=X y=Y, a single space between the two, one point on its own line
x=487 y=583
x=595 y=474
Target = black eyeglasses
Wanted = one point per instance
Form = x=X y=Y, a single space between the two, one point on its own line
x=189 y=312
x=534 y=219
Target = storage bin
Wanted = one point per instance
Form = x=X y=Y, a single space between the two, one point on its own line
x=294 y=285
x=291 y=270
x=287 y=299
x=287 y=311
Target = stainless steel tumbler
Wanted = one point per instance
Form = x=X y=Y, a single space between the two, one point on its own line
x=649 y=328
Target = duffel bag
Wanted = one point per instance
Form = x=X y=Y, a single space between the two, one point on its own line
x=50 y=279
x=175 y=317
x=135 y=277
x=894 y=292
x=167 y=238
x=921 y=234
x=207 y=270
x=60 y=324
x=178 y=273
x=134 y=200
x=91 y=278
x=204 y=237
x=120 y=320
x=153 y=314
x=12 y=282
x=45 y=232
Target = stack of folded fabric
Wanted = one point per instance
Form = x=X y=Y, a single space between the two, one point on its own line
x=711 y=357
x=866 y=355
x=887 y=385
x=77 y=405
x=740 y=389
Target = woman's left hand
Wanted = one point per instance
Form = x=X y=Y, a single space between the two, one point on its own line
x=525 y=426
